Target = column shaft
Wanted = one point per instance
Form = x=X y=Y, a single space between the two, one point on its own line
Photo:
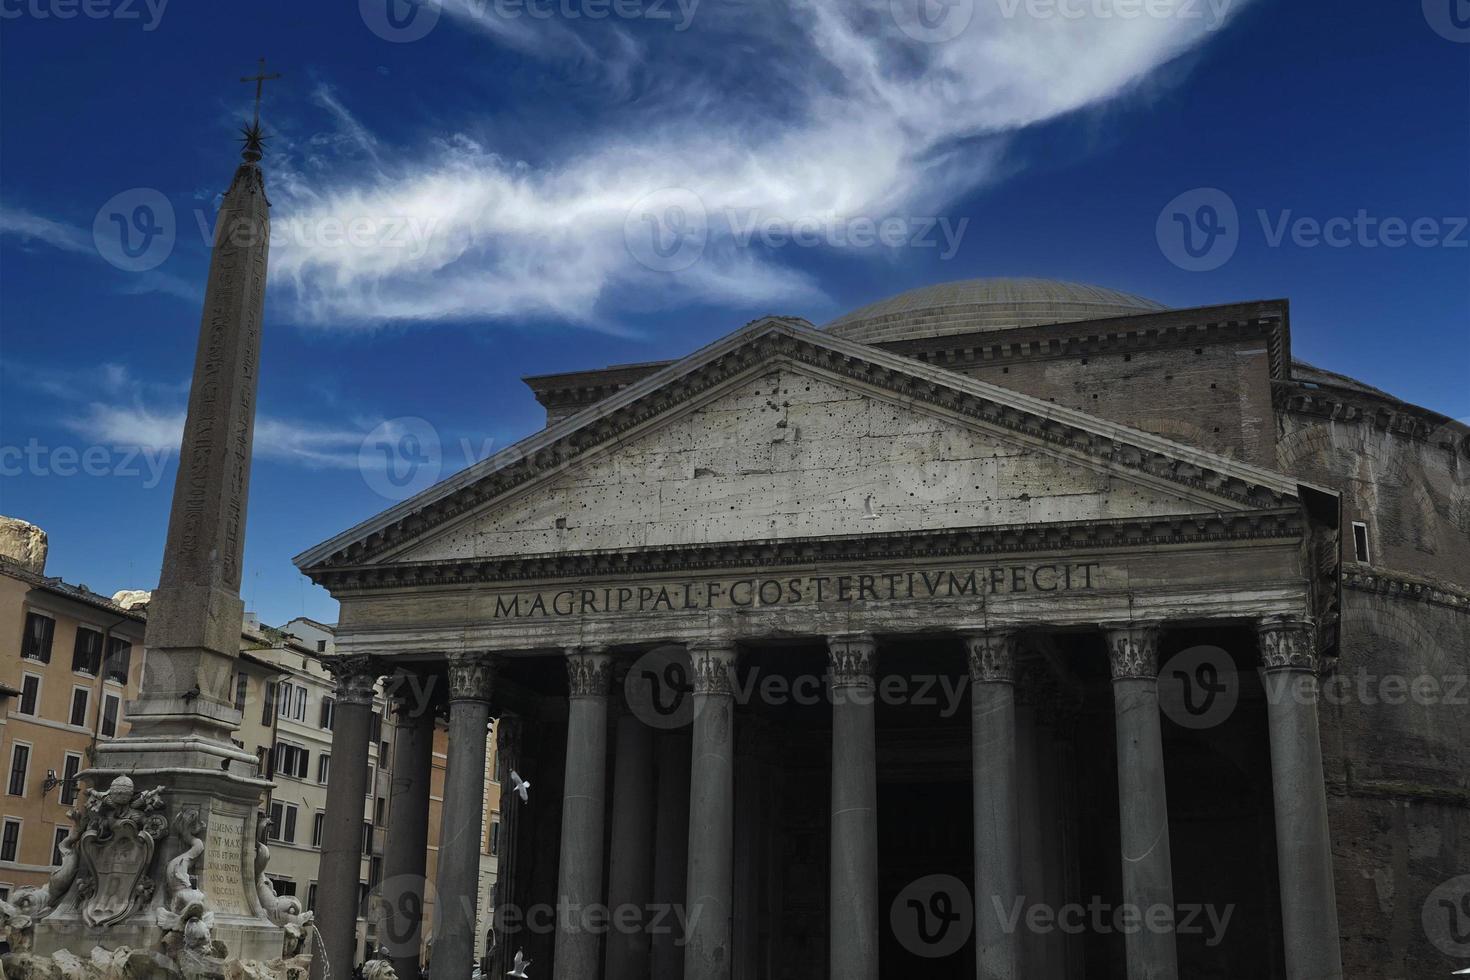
x=630 y=866
x=671 y=852
x=710 y=891
x=510 y=736
x=1148 y=877
x=402 y=890
x=579 y=876
x=456 y=906
x=1303 y=841
x=995 y=785
x=338 y=902
x=853 y=914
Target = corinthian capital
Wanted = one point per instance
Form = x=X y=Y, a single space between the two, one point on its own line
x=356 y=675
x=992 y=656
x=1286 y=644
x=471 y=676
x=712 y=664
x=589 y=672
x=1133 y=651
x=852 y=658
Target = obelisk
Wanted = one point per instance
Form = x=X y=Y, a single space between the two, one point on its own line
x=201 y=854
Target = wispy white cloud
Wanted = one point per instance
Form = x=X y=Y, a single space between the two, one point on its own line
x=855 y=118
x=28 y=227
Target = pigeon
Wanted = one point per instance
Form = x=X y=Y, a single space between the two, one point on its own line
x=519 y=786
x=519 y=968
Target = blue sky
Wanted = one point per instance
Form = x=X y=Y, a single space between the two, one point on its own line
x=503 y=175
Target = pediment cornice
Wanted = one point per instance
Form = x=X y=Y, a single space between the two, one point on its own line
x=1230 y=484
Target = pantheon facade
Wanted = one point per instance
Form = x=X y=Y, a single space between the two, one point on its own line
x=1001 y=629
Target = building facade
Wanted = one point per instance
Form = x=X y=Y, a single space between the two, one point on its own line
x=74 y=659
x=1144 y=545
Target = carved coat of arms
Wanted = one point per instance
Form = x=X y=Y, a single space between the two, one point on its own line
x=121 y=831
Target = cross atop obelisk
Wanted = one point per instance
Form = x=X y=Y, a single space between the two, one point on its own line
x=259 y=78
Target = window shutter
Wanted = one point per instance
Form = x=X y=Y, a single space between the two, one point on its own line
x=270 y=703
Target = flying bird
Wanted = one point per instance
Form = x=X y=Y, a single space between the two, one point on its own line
x=521 y=788
x=519 y=968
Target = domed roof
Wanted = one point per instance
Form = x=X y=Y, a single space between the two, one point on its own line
x=975 y=305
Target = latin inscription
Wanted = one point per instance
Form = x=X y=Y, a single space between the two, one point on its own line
x=223 y=856
x=775 y=590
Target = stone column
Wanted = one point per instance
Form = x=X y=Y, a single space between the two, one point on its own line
x=711 y=887
x=671 y=851
x=456 y=904
x=853 y=901
x=997 y=829
x=1148 y=877
x=1303 y=843
x=338 y=902
x=579 y=877
x=630 y=866
x=509 y=736
x=402 y=891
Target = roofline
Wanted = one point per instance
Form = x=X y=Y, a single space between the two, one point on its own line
x=56 y=586
x=797 y=330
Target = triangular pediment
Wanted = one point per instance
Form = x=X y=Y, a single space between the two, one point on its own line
x=781 y=432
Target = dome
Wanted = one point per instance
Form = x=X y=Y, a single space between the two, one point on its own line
x=977 y=305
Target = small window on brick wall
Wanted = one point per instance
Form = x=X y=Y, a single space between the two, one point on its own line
x=1360 y=541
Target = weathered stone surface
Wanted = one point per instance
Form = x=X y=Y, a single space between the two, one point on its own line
x=24 y=543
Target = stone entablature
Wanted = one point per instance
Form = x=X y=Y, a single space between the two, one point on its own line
x=1383 y=413
x=1361 y=578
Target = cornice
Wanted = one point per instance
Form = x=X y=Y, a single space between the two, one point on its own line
x=1012 y=539
x=1361 y=578
x=554 y=449
x=1391 y=416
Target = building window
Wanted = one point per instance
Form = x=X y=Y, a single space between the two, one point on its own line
x=56 y=842
x=383 y=753
x=269 y=708
x=283 y=886
x=36 y=643
x=380 y=811
x=1360 y=541
x=119 y=659
x=86 y=653
x=285 y=695
x=283 y=822
x=242 y=688
x=323 y=768
x=367 y=838
x=20 y=761
x=69 y=769
x=292 y=760
x=300 y=714
x=4 y=893
x=375 y=872
x=111 y=705
x=375 y=728
x=10 y=839
x=329 y=713
x=495 y=837
x=81 y=700
x=318 y=828
x=30 y=695
x=311 y=897
x=321 y=646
